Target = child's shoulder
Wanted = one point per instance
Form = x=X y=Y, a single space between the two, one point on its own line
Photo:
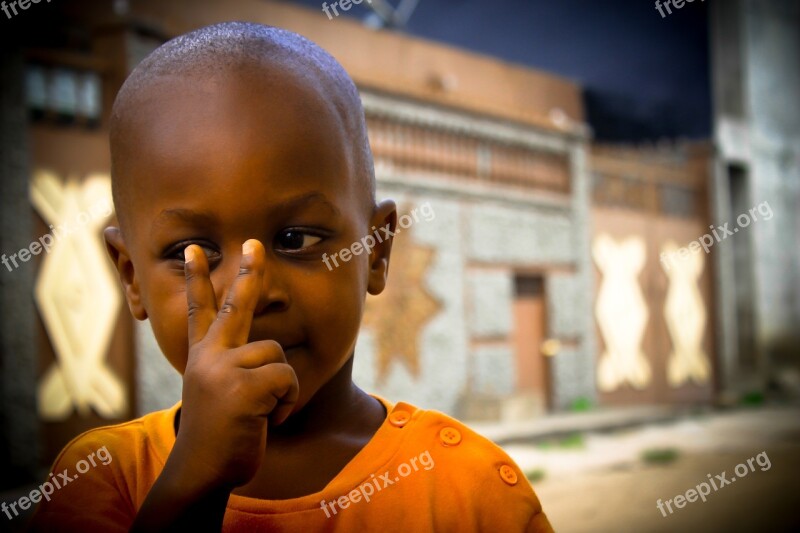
x=153 y=434
x=441 y=428
x=439 y=455
x=108 y=469
x=455 y=442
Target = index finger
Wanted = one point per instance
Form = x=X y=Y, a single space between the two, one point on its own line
x=232 y=324
x=199 y=293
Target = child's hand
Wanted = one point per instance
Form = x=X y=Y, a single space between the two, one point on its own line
x=230 y=387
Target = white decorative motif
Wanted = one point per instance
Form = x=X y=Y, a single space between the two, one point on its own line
x=78 y=298
x=685 y=314
x=621 y=313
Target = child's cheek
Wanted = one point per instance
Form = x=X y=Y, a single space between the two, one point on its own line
x=344 y=286
x=171 y=328
x=343 y=302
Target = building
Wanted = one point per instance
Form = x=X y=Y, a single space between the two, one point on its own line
x=756 y=77
x=490 y=154
x=534 y=272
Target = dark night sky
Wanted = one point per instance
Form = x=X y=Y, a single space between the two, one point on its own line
x=646 y=77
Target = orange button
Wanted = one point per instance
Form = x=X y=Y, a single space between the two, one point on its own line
x=450 y=436
x=399 y=418
x=508 y=475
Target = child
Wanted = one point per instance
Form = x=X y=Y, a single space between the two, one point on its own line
x=240 y=157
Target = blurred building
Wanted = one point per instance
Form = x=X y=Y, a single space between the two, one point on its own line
x=534 y=271
x=756 y=77
x=654 y=305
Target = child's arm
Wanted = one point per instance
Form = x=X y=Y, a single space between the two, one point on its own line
x=230 y=387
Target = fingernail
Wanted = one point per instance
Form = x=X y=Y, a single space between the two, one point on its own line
x=247 y=248
x=188 y=254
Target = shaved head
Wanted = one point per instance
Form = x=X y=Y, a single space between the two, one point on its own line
x=219 y=51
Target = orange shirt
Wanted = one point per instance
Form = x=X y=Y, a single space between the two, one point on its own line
x=421 y=471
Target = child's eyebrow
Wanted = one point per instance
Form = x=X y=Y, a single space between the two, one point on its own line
x=206 y=218
x=188 y=216
x=305 y=200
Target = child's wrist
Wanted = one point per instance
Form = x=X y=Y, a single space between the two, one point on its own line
x=183 y=472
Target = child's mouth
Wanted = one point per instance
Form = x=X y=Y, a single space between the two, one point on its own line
x=290 y=348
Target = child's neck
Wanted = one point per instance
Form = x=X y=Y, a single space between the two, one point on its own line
x=337 y=406
x=308 y=450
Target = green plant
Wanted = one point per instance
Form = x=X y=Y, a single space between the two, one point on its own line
x=752 y=398
x=660 y=455
x=535 y=475
x=581 y=405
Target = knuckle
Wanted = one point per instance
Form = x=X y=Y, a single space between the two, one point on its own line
x=229 y=308
x=194 y=309
x=285 y=378
x=247 y=266
x=272 y=352
x=272 y=346
x=268 y=403
x=239 y=389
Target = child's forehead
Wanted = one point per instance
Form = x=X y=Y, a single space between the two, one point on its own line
x=200 y=146
x=224 y=110
x=227 y=115
x=276 y=96
x=270 y=67
x=254 y=85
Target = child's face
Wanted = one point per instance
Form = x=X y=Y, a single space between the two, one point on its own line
x=237 y=160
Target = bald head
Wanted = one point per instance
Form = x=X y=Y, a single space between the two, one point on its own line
x=215 y=53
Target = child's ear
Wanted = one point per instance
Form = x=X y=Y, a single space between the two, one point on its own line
x=385 y=220
x=122 y=261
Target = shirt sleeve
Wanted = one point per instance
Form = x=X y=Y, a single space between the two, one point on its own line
x=539 y=524
x=84 y=489
x=507 y=501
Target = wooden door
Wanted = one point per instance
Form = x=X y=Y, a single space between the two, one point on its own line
x=532 y=367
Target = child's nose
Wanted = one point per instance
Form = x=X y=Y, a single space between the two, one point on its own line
x=272 y=296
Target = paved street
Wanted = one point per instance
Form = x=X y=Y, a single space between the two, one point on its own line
x=600 y=482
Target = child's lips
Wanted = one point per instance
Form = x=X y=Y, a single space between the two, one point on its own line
x=291 y=347
x=287 y=344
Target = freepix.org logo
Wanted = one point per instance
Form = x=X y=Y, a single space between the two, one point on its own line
x=11 y=7
x=677 y=4
x=60 y=231
x=57 y=481
x=378 y=235
x=344 y=5
x=377 y=483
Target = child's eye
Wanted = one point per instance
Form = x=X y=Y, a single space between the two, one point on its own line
x=177 y=252
x=294 y=239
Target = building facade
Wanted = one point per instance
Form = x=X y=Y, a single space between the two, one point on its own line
x=756 y=78
x=533 y=271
